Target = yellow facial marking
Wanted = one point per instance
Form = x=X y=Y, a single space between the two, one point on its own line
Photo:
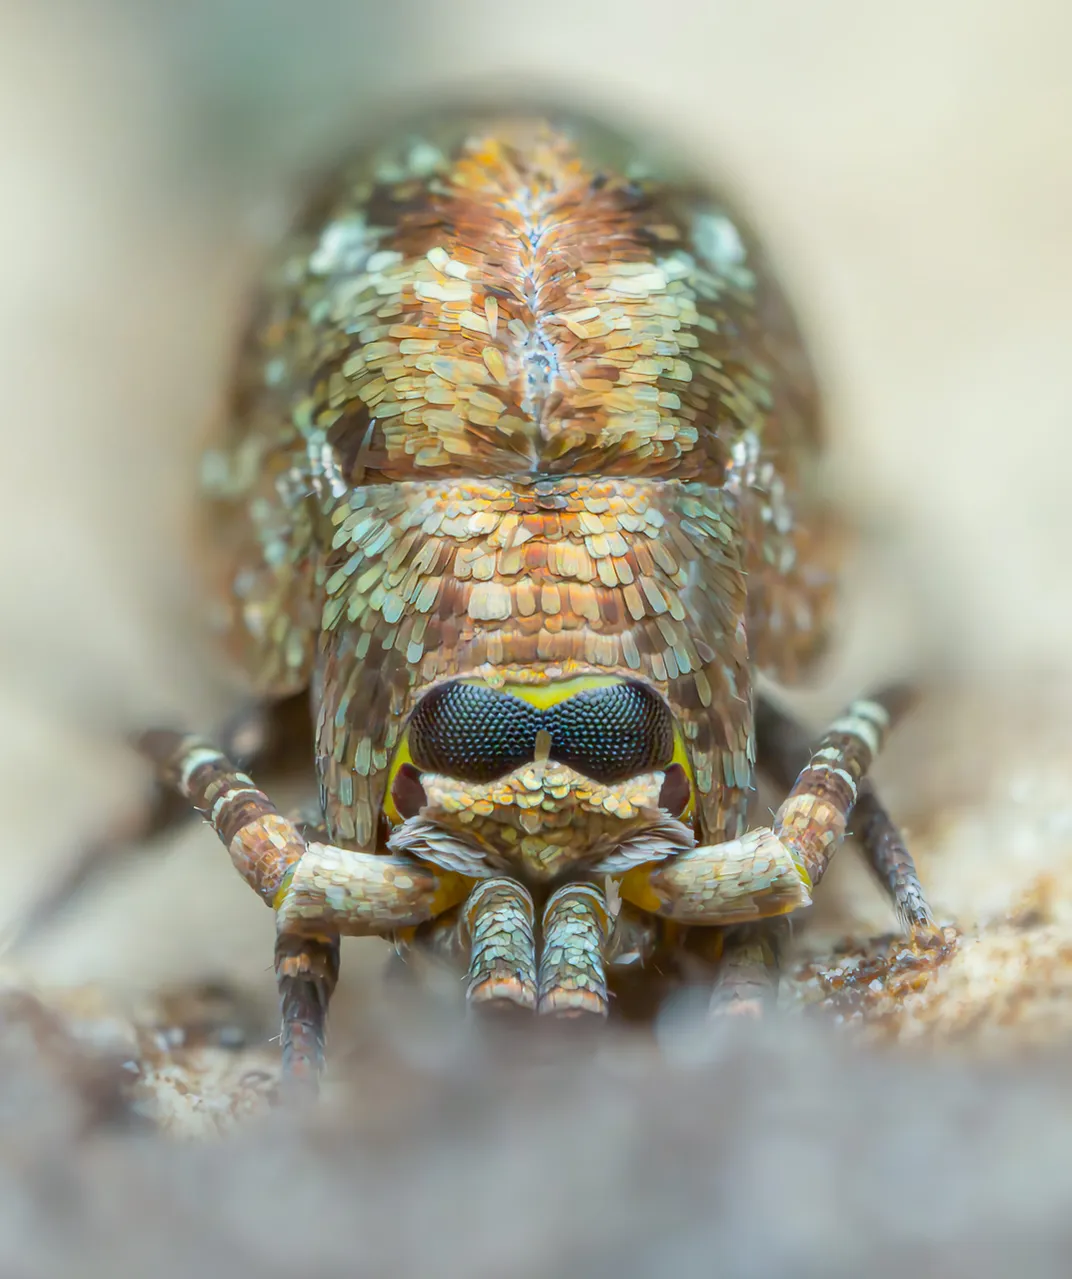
x=681 y=756
x=452 y=890
x=543 y=696
x=635 y=888
x=401 y=756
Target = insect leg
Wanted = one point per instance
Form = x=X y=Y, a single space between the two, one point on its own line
x=739 y=881
x=331 y=891
x=502 y=948
x=264 y=847
x=263 y=844
x=746 y=980
x=306 y=971
x=812 y=821
x=352 y=893
x=249 y=734
x=783 y=749
x=314 y=887
x=890 y=859
x=771 y=871
x=318 y=891
x=572 y=977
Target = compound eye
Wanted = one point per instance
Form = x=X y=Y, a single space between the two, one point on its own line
x=471 y=732
x=612 y=733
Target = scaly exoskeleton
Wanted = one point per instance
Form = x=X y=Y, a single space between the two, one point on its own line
x=519 y=480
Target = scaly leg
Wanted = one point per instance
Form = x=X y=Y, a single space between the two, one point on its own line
x=573 y=979
x=494 y=933
x=263 y=844
x=264 y=847
x=771 y=871
x=498 y=918
x=739 y=967
x=318 y=891
x=782 y=745
x=746 y=981
x=306 y=971
x=747 y=975
x=892 y=863
x=252 y=733
x=813 y=819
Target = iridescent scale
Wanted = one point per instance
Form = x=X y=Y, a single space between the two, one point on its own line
x=520 y=404
x=518 y=485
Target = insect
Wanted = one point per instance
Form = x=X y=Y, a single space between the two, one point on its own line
x=518 y=481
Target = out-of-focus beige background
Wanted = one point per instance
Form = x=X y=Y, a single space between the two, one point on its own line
x=910 y=166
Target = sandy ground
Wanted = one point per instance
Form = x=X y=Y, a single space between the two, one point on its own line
x=910 y=167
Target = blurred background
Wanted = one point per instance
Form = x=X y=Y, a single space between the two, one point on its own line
x=909 y=166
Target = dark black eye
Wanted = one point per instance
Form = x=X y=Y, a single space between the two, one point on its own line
x=477 y=734
x=612 y=733
x=472 y=732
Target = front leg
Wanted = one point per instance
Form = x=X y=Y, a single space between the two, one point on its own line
x=813 y=819
x=498 y=923
x=772 y=870
x=783 y=745
x=306 y=971
x=746 y=980
x=577 y=924
x=809 y=826
x=252 y=732
x=495 y=934
x=317 y=890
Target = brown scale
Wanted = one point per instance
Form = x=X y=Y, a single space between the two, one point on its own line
x=518 y=404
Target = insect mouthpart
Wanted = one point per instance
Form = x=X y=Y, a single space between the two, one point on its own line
x=540 y=822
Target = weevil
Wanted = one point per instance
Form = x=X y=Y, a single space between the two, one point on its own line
x=519 y=484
